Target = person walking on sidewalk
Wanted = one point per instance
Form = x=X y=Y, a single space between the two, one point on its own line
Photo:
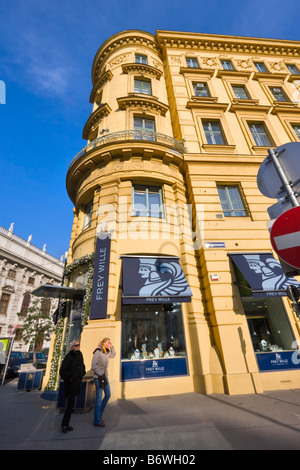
x=72 y=371
x=101 y=356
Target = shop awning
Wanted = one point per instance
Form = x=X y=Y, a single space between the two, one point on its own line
x=58 y=292
x=263 y=273
x=153 y=280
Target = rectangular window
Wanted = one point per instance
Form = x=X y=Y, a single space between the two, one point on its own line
x=11 y=274
x=260 y=66
x=227 y=65
x=147 y=202
x=192 y=62
x=259 y=134
x=213 y=132
x=144 y=128
x=296 y=129
x=142 y=86
x=240 y=92
x=293 y=69
x=88 y=211
x=231 y=201
x=201 y=89
x=153 y=341
x=278 y=93
x=4 y=303
x=141 y=59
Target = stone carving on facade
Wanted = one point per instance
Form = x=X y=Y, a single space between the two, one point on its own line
x=176 y=60
x=156 y=64
x=277 y=66
x=244 y=64
x=210 y=62
x=120 y=59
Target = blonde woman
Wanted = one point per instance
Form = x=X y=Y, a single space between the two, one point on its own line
x=101 y=356
x=72 y=371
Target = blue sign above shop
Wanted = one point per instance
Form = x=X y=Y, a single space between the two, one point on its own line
x=154 y=368
x=280 y=360
x=154 y=280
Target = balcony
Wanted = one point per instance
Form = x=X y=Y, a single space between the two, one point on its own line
x=130 y=136
x=122 y=144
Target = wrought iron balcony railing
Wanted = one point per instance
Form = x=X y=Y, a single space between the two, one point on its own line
x=131 y=135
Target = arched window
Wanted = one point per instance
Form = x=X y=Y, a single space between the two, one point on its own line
x=26 y=302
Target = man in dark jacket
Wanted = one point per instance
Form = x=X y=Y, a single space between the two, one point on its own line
x=72 y=371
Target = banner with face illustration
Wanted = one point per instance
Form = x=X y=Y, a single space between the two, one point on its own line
x=154 y=280
x=264 y=274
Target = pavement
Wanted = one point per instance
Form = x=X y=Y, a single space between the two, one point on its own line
x=184 y=422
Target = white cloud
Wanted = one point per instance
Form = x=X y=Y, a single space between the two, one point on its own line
x=48 y=79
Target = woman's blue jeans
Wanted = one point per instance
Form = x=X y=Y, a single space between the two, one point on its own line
x=99 y=403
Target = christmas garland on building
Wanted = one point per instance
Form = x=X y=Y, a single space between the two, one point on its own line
x=59 y=329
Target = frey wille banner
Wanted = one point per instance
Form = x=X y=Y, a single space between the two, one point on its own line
x=100 y=279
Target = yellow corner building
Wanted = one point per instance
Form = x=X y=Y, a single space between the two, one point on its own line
x=165 y=193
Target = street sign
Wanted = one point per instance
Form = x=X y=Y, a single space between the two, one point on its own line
x=269 y=182
x=285 y=236
x=280 y=207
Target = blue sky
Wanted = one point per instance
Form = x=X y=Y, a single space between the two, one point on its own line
x=46 y=54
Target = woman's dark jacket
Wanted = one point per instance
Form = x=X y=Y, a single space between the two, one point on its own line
x=72 y=371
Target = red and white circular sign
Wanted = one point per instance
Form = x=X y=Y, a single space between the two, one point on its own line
x=285 y=236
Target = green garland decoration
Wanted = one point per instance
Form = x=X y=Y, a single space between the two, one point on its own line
x=59 y=329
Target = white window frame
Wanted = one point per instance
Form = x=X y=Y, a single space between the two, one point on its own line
x=257 y=135
x=232 y=212
x=211 y=134
x=141 y=59
x=88 y=213
x=146 y=190
x=142 y=86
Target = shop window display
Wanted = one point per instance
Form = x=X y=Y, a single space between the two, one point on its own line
x=152 y=332
x=270 y=330
x=268 y=325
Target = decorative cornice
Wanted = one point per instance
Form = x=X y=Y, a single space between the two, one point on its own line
x=98 y=114
x=142 y=101
x=269 y=75
x=197 y=71
x=119 y=40
x=99 y=83
x=142 y=69
x=249 y=105
x=285 y=107
x=206 y=103
x=233 y=73
x=227 y=44
x=294 y=77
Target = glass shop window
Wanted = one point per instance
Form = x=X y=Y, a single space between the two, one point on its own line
x=75 y=327
x=268 y=324
x=152 y=332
